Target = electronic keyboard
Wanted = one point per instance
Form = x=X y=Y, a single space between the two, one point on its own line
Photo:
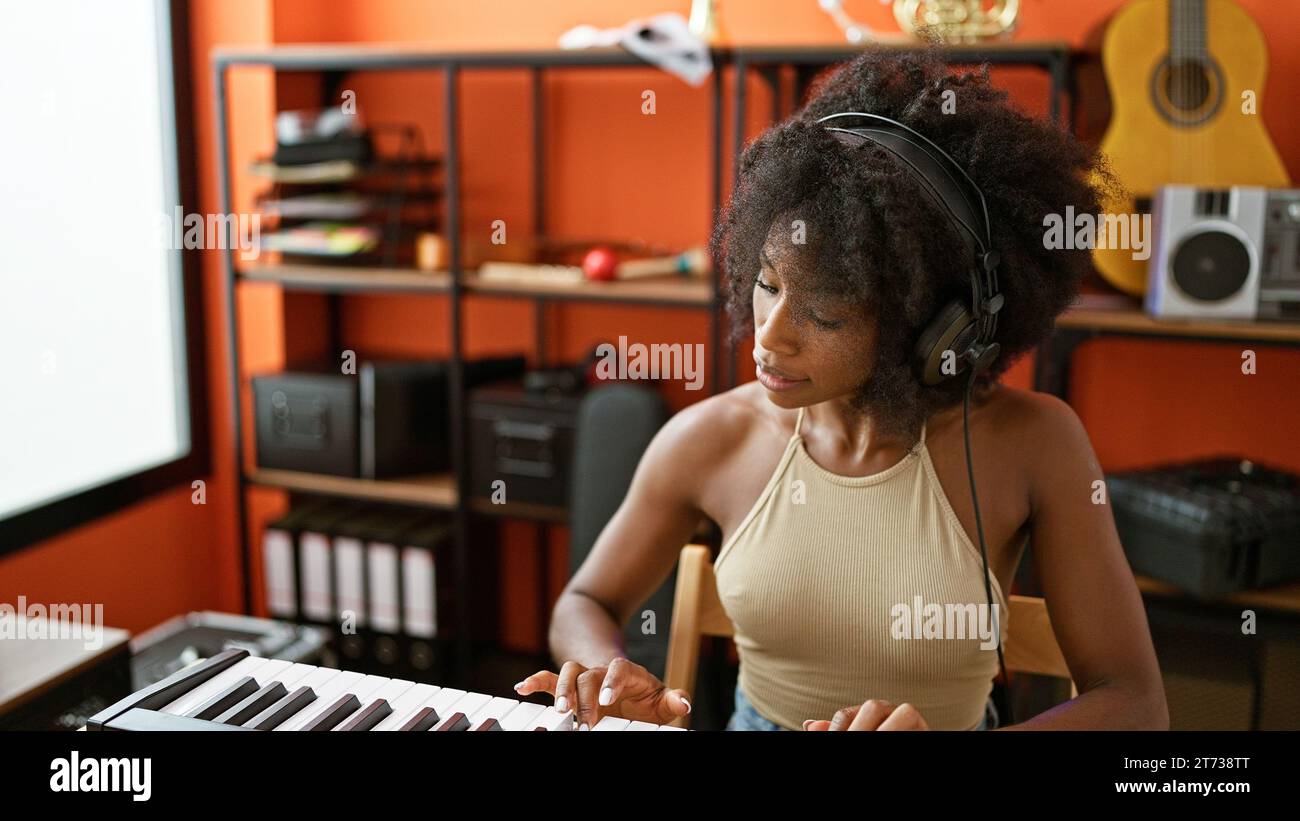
x=237 y=691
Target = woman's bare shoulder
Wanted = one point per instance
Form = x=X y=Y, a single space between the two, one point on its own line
x=709 y=432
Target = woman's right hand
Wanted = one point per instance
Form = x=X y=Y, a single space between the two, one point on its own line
x=622 y=688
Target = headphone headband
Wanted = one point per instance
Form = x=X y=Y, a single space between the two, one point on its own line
x=952 y=189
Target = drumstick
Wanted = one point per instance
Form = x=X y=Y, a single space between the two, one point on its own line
x=693 y=262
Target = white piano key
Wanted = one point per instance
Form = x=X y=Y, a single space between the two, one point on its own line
x=611 y=724
x=469 y=704
x=663 y=727
x=548 y=719
x=291 y=676
x=642 y=726
x=522 y=716
x=406 y=705
x=441 y=702
x=218 y=683
x=390 y=692
x=496 y=708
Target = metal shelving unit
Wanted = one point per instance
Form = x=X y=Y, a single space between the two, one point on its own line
x=451 y=492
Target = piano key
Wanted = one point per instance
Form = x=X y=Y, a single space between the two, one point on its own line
x=440 y=702
x=494 y=709
x=345 y=683
x=488 y=724
x=548 y=719
x=469 y=704
x=406 y=705
x=426 y=718
x=224 y=700
x=333 y=714
x=213 y=708
x=454 y=723
x=222 y=681
x=254 y=704
x=273 y=672
x=522 y=716
x=294 y=703
x=282 y=710
x=388 y=694
x=663 y=727
x=642 y=726
x=164 y=692
x=611 y=724
x=154 y=721
x=367 y=717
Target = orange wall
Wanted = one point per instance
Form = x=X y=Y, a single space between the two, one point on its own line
x=611 y=171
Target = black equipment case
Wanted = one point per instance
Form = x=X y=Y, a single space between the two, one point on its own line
x=1211 y=527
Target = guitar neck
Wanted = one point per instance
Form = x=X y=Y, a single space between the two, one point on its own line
x=1187 y=41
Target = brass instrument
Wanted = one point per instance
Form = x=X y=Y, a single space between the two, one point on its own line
x=957 y=21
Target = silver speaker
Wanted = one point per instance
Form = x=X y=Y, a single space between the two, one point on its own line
x=1208 y=252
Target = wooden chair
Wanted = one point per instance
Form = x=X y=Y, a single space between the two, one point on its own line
x=1029 y=644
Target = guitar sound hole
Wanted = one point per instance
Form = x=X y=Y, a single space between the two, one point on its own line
x=1187 y=92
x=1187 y=85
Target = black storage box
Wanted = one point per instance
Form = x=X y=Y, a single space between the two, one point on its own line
x=390 y=419
x=1210 y=527
x=524 y=439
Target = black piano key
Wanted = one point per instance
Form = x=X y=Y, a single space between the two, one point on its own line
x=254 y=704
x=490 y=724
x=159 y=695
x=224 y=700
x=339 y=710
x=282 y=710
x=458 y=722
x=539 y=729
x=154 y=721
x=375 y=712
x=421 y=721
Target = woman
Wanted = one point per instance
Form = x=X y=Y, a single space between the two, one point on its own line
x=839 y=479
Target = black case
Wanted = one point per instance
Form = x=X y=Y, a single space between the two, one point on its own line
x=1210 y=527
x=524 y=439
x=390 y=419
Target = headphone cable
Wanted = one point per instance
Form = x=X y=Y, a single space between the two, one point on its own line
x=979 y=529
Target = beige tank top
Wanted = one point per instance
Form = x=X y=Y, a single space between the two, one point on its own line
x=845 y=588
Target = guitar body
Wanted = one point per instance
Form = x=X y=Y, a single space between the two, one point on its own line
x=1176 y=83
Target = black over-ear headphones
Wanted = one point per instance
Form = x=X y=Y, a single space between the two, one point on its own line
x=959 y=339
x=966 y=332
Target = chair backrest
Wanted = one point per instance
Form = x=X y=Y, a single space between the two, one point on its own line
x=1029 y=645
x=615 y=425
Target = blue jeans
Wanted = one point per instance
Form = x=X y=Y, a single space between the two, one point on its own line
x=746 y=717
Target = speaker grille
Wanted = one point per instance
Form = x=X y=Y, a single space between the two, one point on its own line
x=1211 y=265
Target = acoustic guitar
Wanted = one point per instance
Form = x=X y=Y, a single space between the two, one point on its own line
x=1186 y=79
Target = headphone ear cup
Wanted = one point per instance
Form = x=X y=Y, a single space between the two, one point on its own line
x=953 y=329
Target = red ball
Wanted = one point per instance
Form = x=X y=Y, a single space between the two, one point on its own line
x=600 y=264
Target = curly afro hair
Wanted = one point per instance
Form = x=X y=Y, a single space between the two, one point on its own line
x=875 y=238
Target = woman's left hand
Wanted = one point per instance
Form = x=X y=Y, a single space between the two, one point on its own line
x=873 y=714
